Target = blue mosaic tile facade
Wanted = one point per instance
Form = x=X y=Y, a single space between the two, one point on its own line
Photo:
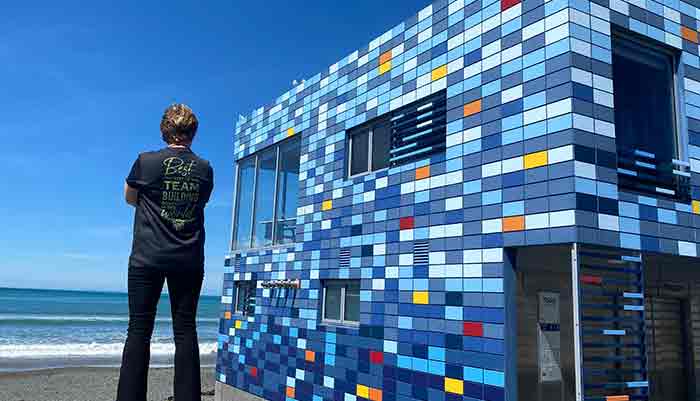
x=529 y=160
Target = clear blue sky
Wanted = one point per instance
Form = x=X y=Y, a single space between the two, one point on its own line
x=82 y=89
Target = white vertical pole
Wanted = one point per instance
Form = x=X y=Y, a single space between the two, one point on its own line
x=578 y=366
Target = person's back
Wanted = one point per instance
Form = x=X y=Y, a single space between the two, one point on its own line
x=169 y=188
x=174 y=186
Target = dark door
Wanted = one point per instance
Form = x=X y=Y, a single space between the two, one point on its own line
x=668 y=348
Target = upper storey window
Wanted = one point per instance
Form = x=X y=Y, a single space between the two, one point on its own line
x=646 y=129
x=267 y=192
x=410 y=133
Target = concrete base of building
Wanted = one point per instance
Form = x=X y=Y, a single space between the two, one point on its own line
x=225 y=392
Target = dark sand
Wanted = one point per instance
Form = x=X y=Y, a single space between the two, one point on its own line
x=87 y=384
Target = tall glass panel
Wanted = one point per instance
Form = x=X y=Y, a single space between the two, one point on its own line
x=287 y=192
x=244 y=203
x=352 y=301
x=332 y=301
x=265 y=198
x=381 y=144
x=359 y=153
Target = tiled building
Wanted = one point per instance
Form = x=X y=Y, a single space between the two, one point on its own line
x=494 y=200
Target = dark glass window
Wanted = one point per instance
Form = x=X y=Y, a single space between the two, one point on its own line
x=381 y=144
x=245 y=298
x=287 y=191
x=265 y=198
x=341 y=301
x=645 y=114
x=267 y=192
x=369 y=147
x=359 y=152
x=410 y=133
x=244 y=203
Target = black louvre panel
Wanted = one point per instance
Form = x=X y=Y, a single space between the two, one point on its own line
x=419 y=129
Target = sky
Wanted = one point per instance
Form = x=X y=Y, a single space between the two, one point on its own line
x=82 y=89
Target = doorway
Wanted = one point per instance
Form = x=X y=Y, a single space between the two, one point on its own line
x=668 y=348
x=544 y=305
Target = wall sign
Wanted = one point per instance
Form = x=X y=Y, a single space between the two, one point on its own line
x=549 y=337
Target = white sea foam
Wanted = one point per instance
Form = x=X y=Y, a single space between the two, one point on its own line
x=95 y=350
x=81 y=318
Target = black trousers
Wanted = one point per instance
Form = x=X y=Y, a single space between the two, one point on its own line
x=145 y=286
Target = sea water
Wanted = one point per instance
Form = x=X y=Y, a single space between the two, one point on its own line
x=54 y=328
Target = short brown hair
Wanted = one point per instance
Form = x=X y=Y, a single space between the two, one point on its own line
x=179 y=124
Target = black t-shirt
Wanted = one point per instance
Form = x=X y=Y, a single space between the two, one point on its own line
x=173 y=185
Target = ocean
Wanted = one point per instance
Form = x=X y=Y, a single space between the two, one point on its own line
x=42 y=329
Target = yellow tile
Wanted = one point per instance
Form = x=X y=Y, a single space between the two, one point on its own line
x=454 y=386
x=420 y=297
x=362 y=391
x=535 y=159
x=290 y=131
x=384 y=67
x=327 y=205
x=696 y=207
x=439 y=72
x=238 y=324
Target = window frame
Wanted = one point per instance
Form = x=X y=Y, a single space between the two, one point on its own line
x=370 y=128
x=247 y=285
x=237 y=182
x=343 y=289
x=643 y=46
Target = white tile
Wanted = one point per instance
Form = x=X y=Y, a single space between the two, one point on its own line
x=560 y=154
x=608 y=222
x=492 y=226
x=492 y=255
x=511 y=94
x=472 y=256
x=533 y=30
x=559 y=108
x=536 y=221
x=687 y=249
x=472 y=270
x=562 y=218
x=513 y=164
x=491 y=169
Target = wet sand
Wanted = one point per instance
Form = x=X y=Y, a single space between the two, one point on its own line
x=88 y=384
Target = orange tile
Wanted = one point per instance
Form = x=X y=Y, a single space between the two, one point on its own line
x=227 y=315
x=689 y=34
x=375 y=394
x=385 y=57
x=310 y=356
x=515 y=223
x=290 y=392
x=422 y=172
x=472 y=108
x=617 y=398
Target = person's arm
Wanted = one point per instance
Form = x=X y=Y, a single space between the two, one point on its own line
x=131 y=195
x=133 y=183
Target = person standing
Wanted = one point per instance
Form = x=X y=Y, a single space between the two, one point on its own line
x=169 y=189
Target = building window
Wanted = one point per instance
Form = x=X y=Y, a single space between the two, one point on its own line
x=245 y=298
x=368 y=147
x=411 y=133
x=267 y=193
x=341 y=301
x=645 y=115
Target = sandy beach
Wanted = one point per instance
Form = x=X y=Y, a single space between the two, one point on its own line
x=88 y=384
